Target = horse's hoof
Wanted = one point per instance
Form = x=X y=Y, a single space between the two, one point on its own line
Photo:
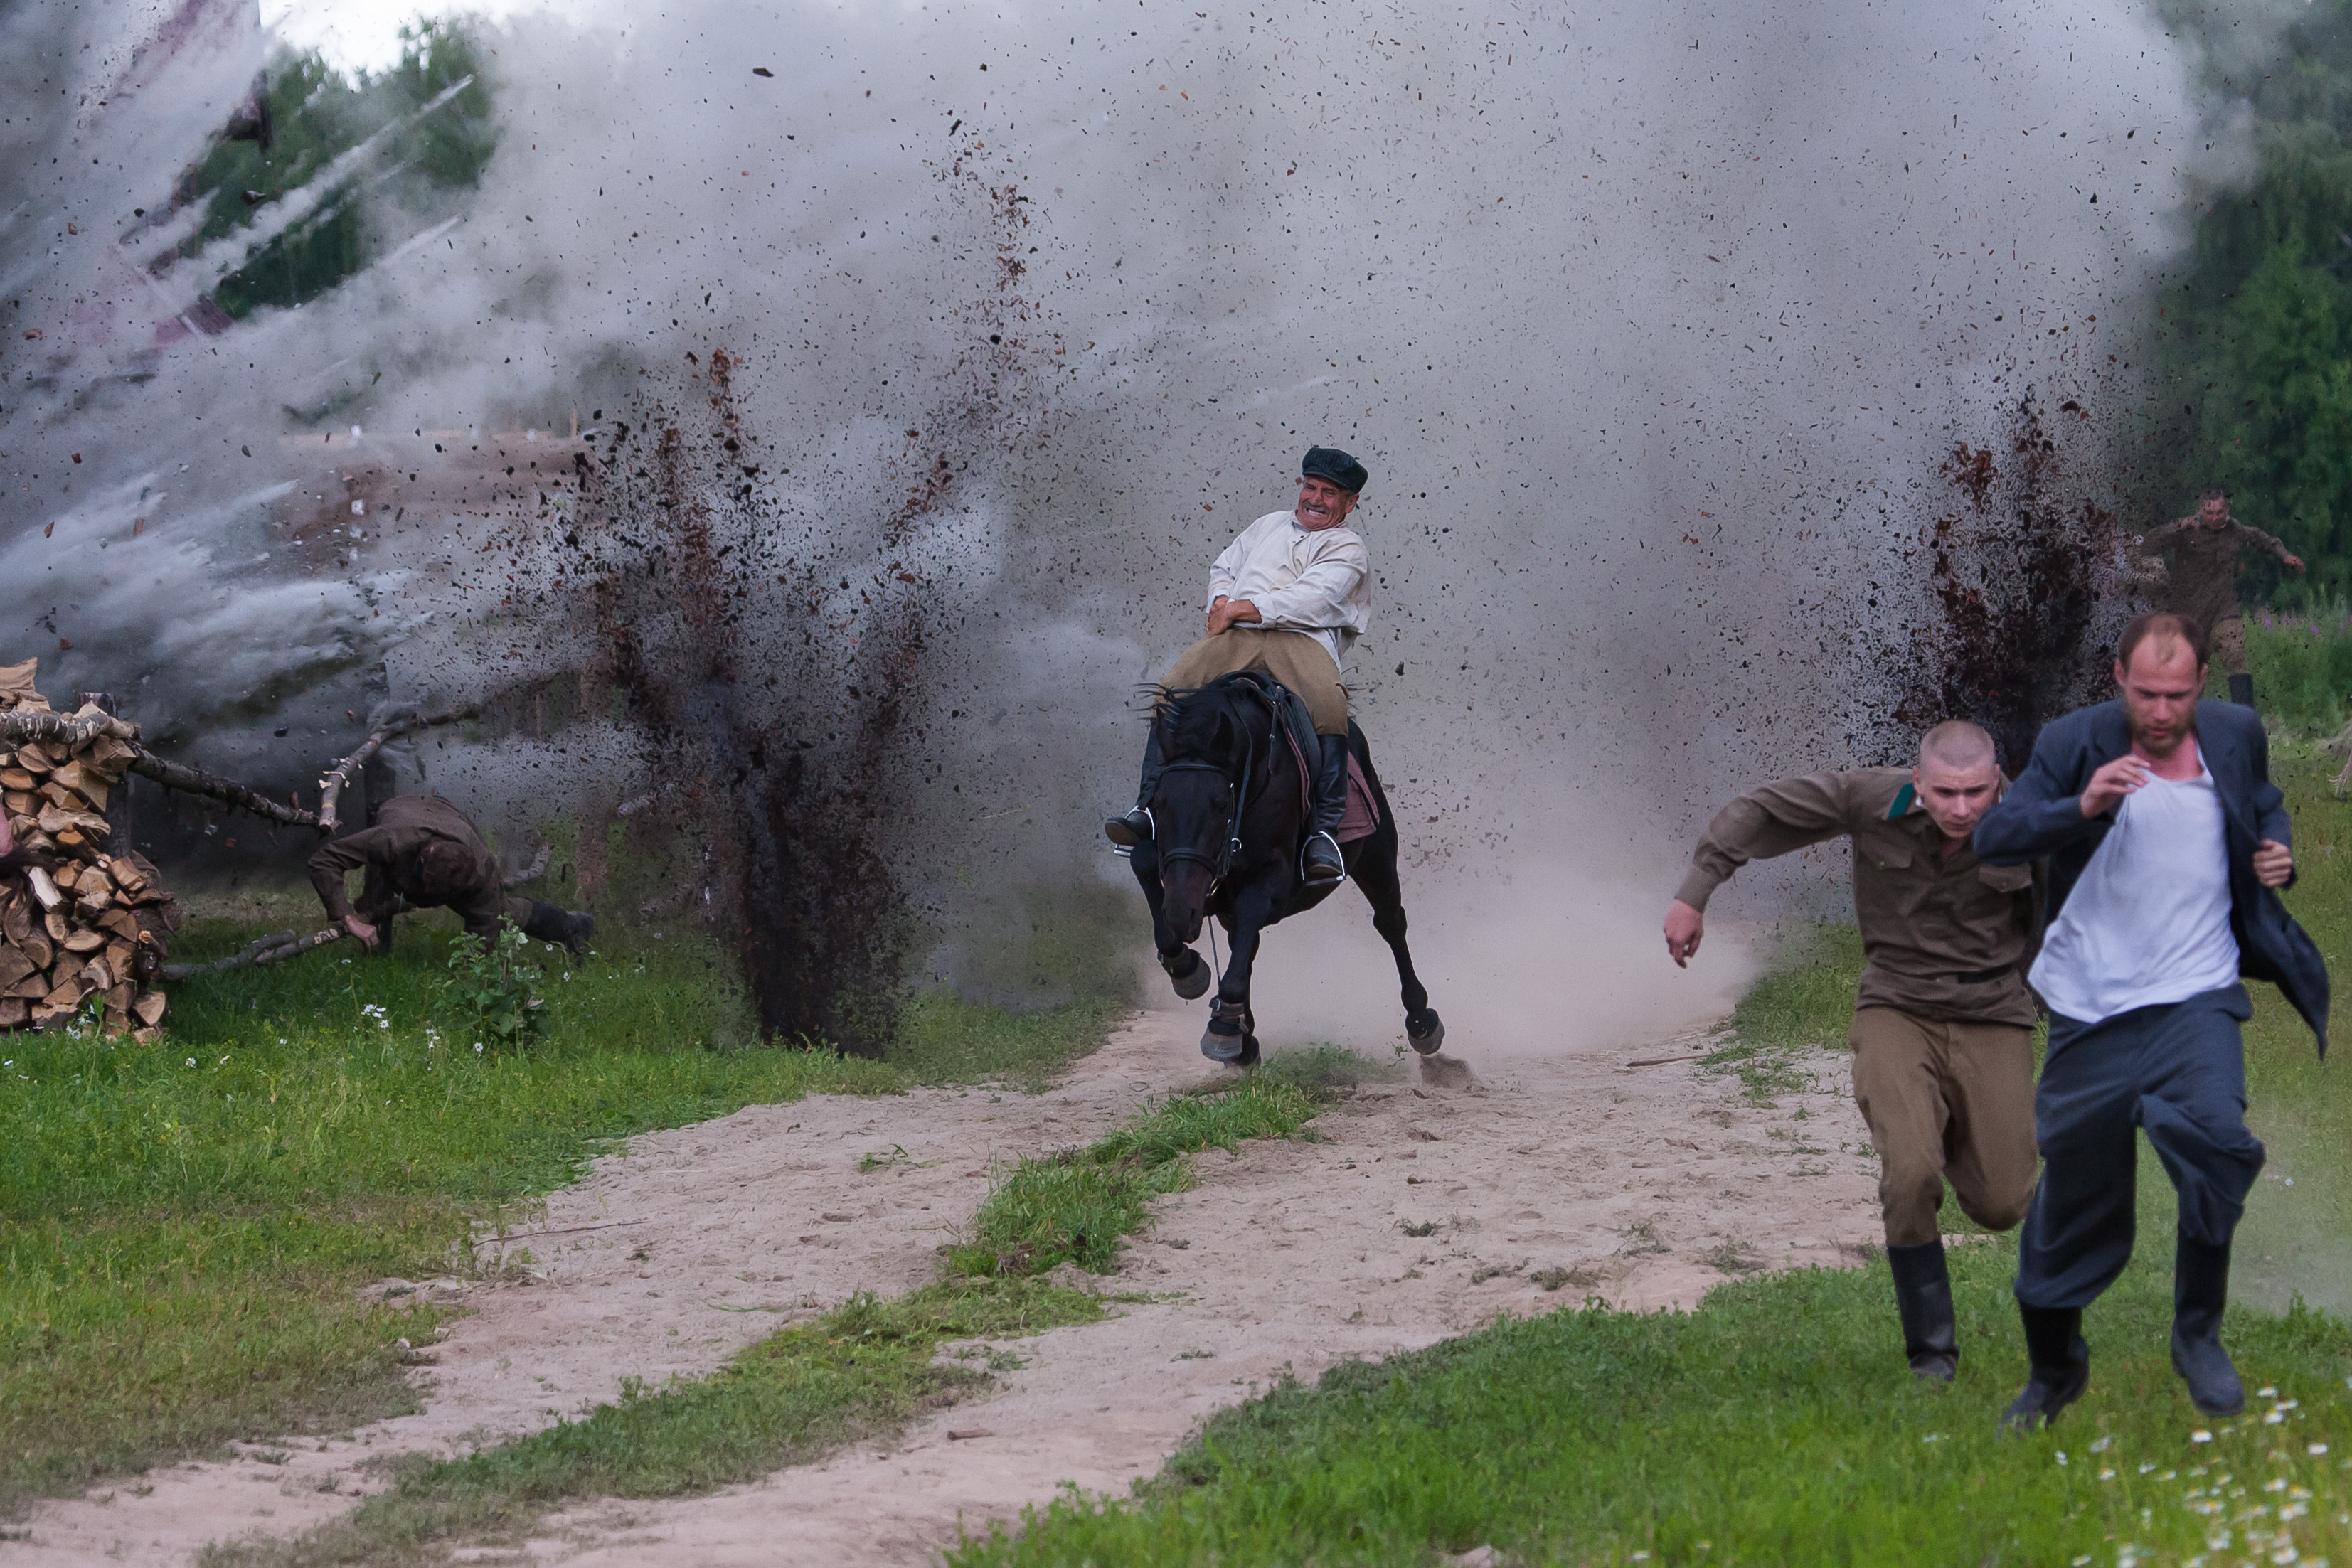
x=1225 y=1044
x=1193 y=982
x=1249 y=1058
x=1426 y=1030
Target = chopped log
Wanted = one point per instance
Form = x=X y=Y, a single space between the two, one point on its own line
x=36 y=946
x=16 y=923
x=81 y=940
x=121 y=921
x=64 y=997
x=148 y=1008
x=14 y=966
x=54 y=924
x=44 y=887
x=126 y=873
x=14 y=1012
x=399 y=722
x=32 y=988
x=16 y=779
x=285 y=946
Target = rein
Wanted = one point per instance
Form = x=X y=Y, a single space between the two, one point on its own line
x=1223 y=860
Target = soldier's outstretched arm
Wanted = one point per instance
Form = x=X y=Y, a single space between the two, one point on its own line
x=1781 y=817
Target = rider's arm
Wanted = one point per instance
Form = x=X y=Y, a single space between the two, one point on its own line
x=1319 y=598
x=1781 y=817
x=1228 y=569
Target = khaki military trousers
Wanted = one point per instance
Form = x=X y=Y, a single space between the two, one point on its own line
x=1946 y=1103
x=2226 y=646
x=1293 y=658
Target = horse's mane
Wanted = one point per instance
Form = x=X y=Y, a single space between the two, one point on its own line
x=1204 y=723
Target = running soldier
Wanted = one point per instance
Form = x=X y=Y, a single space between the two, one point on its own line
x=2167 y=844
x=423 y=850
x=2197 y=558
x=1942 y=1036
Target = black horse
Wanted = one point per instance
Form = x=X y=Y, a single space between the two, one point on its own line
x=1227 y=818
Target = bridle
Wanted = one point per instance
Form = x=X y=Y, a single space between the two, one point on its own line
x=1220 y=862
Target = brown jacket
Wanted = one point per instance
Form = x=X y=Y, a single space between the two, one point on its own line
x=2201 y=567
x=393 y=850
x=1945 y=937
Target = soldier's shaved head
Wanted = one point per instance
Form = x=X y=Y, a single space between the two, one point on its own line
x=1957 y=745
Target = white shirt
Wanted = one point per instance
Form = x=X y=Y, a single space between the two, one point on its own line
x=1317 y=582
x=2149 y=920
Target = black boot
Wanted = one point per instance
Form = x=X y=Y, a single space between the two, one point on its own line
x=2061 y=1368
x=549 y=924
x=2242 y=690
x=1137 y=827
x=2201 y=1288
x=1923 y=1296
x=1322 y=861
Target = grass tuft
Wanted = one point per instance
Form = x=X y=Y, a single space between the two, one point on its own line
x=1076 y=1206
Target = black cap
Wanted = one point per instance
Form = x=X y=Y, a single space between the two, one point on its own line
x=1331 y=463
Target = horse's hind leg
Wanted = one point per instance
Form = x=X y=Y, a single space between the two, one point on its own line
x=1376 y=874
x=1187 y=970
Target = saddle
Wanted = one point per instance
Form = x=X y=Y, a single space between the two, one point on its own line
x=1292 y=721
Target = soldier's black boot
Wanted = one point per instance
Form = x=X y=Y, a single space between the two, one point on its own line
x=2242 y=690
x=1322 y=861
x=1137 y=827
x=549 y=924
x=1923 y=1296
x=2201 y=1288
x=2060 y=1364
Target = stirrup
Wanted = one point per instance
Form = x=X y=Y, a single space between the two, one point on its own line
x=1304 y=870
x=1127 y=832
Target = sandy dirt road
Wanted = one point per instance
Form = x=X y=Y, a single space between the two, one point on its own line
x=1647 y=1185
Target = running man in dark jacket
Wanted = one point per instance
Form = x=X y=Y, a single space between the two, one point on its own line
x=2167 y=844
x=421 y=848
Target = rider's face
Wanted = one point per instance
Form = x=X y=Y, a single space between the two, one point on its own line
x=1322 y=504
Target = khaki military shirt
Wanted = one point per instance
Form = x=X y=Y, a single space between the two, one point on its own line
x=394 y=849
x=1944 y=936
x=2201 y=567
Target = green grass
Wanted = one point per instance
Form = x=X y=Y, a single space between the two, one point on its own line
x=944 y=1040
x=182 y=1226
x=860 y=1372
x=2302 y=666
x=1776 y=1423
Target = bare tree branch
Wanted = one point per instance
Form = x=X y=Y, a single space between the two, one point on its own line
x=197 y=781
x=271 y=950
x=63 y=728
x=537 y=864
x=399 y=722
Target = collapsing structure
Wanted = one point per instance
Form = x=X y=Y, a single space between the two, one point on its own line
x=80 y=927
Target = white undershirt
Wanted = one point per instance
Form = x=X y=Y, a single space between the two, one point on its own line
x=2149 y=920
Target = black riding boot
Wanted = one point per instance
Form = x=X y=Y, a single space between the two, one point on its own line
x=1923 y=1296
x=549 y=924
x=2060 y=1364
x=2201 y=1288
x=1322 y=861
x=1137 y=827
x=2242 y=690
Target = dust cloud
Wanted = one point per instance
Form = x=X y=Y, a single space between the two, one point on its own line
x=1653 y=324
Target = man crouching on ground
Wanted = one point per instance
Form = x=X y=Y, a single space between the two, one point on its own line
x=423 y=850
x=1943 y=1054
x=2167 y=843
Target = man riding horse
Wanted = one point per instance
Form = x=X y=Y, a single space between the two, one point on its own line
x=1287 y=598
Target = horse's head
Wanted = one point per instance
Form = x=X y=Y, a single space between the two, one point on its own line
x=1205 y=739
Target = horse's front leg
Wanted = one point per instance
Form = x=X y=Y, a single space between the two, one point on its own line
x=1232 y=1034
x=1187 y=970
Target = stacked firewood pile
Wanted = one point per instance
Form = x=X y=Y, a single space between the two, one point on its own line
x=81 y=922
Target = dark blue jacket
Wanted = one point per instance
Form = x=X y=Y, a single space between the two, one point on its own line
x=2043 y=815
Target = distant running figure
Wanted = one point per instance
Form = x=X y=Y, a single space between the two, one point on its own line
x=2167 y=843
x=1943 y=1048
x=2198 y=562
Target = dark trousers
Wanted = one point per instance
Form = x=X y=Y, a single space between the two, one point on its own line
x=2179 y=1071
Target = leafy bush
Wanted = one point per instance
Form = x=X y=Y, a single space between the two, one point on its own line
x=492 y=988
x=2301 y=665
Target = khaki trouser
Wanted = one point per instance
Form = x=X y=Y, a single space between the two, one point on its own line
x=1293 y=658
x=2225 y=646
x=1946 y=1102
